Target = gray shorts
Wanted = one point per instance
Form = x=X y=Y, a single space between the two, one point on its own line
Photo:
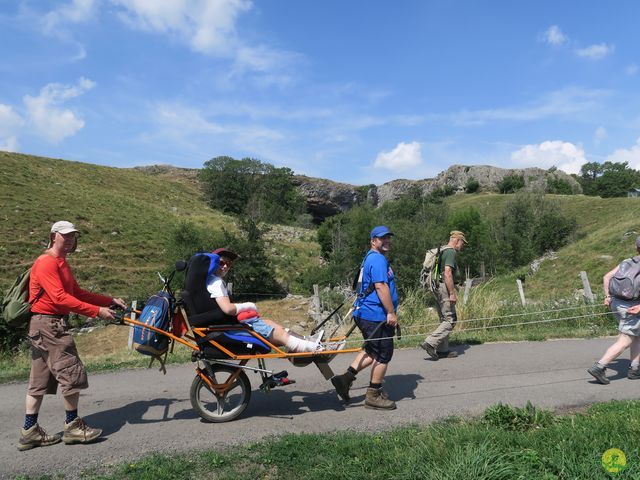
x=54 y=358
x=628 y=324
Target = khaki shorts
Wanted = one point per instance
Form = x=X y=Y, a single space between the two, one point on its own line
x=54 y=358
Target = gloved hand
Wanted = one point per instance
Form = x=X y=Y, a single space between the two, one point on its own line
x=243 y=307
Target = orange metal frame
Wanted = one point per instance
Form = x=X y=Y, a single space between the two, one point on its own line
x=202 y=332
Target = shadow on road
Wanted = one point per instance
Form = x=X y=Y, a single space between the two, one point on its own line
x=459 y=349
x=133 y=413
x=288 y=403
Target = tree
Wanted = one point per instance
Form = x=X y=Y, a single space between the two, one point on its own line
x=260 y=190
x=511 y=183
x=480 y=249
x=610 y=179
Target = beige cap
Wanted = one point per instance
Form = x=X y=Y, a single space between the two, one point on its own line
x=458 y=234
x=63 y=227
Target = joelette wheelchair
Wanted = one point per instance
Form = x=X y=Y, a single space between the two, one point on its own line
x=221 y=390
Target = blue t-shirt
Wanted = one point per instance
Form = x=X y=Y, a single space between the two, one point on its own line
x=376 y=269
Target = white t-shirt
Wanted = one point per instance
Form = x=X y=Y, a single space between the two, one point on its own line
x=216 y=287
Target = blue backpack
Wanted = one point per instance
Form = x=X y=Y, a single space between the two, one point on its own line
x=156 y=313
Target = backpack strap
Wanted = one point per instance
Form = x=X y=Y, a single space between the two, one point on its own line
x=371 y=286
x=436 y=270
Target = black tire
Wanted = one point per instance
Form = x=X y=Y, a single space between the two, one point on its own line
x=215 y=408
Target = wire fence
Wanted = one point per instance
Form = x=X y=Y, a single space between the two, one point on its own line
x=425 y=328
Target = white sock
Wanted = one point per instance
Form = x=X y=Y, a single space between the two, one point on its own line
x=295 y=344
x=635 y=364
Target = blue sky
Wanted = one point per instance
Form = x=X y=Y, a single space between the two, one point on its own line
x=355 y=91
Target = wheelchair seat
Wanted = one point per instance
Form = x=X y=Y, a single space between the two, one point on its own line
x=203 y=311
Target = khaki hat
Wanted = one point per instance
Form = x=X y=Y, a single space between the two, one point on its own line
x=458 y=234
x=62 y=227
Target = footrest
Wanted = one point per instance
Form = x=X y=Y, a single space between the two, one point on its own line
x=279 y=379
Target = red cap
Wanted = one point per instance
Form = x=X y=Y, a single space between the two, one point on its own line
x=226 y=252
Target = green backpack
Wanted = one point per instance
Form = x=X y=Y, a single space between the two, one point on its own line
x=16 y=308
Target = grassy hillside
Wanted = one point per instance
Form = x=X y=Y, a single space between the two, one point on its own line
x=124 y=215
x=607 y=229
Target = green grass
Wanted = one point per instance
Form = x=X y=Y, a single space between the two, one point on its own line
x=505 y=443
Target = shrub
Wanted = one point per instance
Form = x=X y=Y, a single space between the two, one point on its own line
x=558 y=186
x=511 y=184
x=472 y=186
x=517 y=418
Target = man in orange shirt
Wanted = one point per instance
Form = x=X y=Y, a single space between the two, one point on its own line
x=54 y=293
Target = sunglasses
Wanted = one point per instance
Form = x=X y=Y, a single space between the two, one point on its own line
x=225 y=263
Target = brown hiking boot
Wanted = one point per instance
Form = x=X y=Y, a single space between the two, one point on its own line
x=431 y=351
x=342 y=384
x=36 y=437
x=377 y=399
x=79 y=432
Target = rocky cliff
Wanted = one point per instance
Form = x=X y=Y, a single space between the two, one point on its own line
x=326 y=198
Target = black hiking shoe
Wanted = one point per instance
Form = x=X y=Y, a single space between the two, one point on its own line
x=633 y=374
x=599 y=374
x=342 y=384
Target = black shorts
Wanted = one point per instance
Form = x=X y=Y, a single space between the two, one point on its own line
x=380 y=350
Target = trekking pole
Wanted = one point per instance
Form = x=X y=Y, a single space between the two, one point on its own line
x=317 y=327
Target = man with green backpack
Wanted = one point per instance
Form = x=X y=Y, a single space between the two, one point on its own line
x=441 y=282
x=53 y=294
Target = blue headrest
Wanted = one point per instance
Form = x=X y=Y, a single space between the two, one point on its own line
x=214 y=262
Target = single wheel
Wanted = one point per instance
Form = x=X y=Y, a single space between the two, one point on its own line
x=221 y=407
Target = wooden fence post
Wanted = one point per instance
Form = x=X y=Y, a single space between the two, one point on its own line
x=467 y=287
x=588 y=294
x=316 y=300
x=521 y=290
x=134 y=305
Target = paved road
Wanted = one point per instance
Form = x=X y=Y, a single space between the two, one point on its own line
x=143 y=411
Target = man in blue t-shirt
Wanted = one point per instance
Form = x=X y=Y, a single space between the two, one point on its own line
x=375 y=316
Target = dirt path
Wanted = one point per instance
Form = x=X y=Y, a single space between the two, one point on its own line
x=143 y=411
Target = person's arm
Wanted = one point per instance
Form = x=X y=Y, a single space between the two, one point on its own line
x=605 y=284
x=95 y=298
x=49 y=279
x=448 y=281
x=384 y=294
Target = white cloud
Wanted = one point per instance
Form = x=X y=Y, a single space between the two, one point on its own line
x=10 y=123
x=595 y=52
x=50 y=122
x=600 y=134
x=208 y=26
x=630 y=155
x=78 y=11
x=564 y=155
x=403 y=157
x=564 y=102
x=9 y=144
x=632 y=69
x=554 y=36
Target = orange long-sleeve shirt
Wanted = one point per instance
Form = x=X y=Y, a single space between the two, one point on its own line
x=62 y=294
